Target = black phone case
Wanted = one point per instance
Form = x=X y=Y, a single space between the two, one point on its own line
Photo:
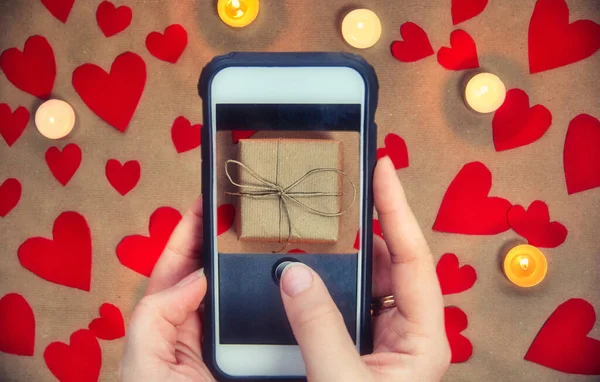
x=369 y=160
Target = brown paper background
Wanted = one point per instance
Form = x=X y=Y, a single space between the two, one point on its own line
x=419 y=101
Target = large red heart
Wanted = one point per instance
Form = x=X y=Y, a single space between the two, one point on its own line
x=454 y=279
x=168 y=46
x=415 y=46
x=17 y=325
x=59 y=8
x=12 y=124
x=376 y=231
x=32 y=70
x=456 y=321
x=140 y=253
x=562 y=343
x=123 y=177
x=10 y=194
x=395 y=148
x=236 y=135
x=80 y=361
x=467 y=208
x=225 y=218
x=463 y=10
x=67 y=258
x=582 y=154
x=184 y=135
x=461 y=55
x=112 y=96
x=516 y=124
x=111 y=19
x=535 y=226
x=553 y=42
x=63 y=164
x=110 y=325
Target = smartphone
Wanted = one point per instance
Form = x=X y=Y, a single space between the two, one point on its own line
x=312 y=101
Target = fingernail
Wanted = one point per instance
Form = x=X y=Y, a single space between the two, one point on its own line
x=191 y=277
x=295 y=279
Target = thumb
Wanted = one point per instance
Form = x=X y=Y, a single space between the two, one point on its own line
x=327 y=349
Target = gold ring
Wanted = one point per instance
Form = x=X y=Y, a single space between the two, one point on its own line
x=381 y=303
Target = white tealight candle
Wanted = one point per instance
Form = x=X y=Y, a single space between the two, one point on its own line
x=55 y=119
x=485 y=93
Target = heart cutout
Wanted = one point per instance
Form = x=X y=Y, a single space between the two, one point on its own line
x=467 y=208
x=225 y=218
x=376 y=231
x=296 y=250
x=59 y=8
x=562 y=344
x=63 y=164
x=456 y=321
x=184 y=135
x=17 y=325
x=12 y=124
x=395 y=148
x=415 y=45
x=236 y=135
x=535 y=225
x=110 y=325
x=112 y=96
x=140 y=253
x=516 y=124
x=582 y=154
x=462 y=53
x=67 y=258
x=463 y=10
x=454 y=279
x=123 y=177
x=32 y=70
x=168 y=46
x=111 y=19
x=80 y=361
x=554 y=42
x=10 y=194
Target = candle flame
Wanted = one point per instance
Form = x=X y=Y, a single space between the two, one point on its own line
x=360 y=25
x=51 y=119
x=235 y=3
x=524 y=263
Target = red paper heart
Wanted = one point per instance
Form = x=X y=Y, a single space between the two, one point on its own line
x=562 y=343
x=168 y=46
x=516 y=124
x=376 y=231
x=395 y=148
x=454 y=279
x=463 y=10
x=535 y=226
x=112 y=96
x=140 y=253
x=63 y=164
x=582 y=154
x=415 y=46
x=32 y=70
x=12 y=124
x=59 y=8
x=236 y=135
x=296 y=250
x=467 y=208
x=123 y=177
x=185 y=137
x=10 y=194
x=80 y=361
x=456 y=321
x=110 y=325
x=553 y=42
x=17 y=325
x=225 y=218
x=462 y=54
x=67 y=258
x=111 y=19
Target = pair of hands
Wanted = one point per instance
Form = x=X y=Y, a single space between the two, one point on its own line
x=163 y=340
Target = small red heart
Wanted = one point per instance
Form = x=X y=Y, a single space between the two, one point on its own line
x=516 y=124
x=64 y=164
x=123 y=177
x=236 y=135
x=12 y=124
x=462 y=54
x=415 y=46
x=535 y=226
x=185 y=137
x=112 y=96
x=376 y=231
x=463 y=10
x=454 y=279
x=456 y=321
x=111 y=19
x=80 y=361
x=467 y=208
x=582 y=154
x=10 y=194
x=296 y=250
x=110 y=325
x=562 y=344
x=67 y=258
x=225 y=218
x=395 y=148
x=553 y=42
x=168 y=46
x=59 y=8
x=32 y=70
x=17 y=325
x=140 y=253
